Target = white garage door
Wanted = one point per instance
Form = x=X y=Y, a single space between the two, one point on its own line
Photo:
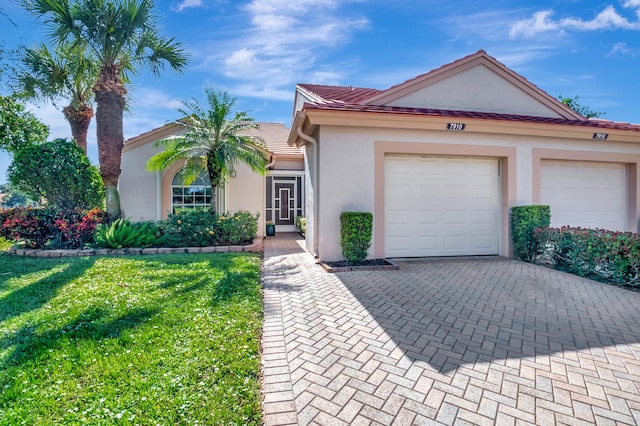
x=437 y=206
x=586 y=194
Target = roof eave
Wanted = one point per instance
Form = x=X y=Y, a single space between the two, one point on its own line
x=415 y=121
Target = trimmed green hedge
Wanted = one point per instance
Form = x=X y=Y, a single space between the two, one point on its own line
x=355 y=235
x=524 y=221
x=301 y=224
x=594 y=253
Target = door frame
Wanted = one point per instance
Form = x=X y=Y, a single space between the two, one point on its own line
x=284 y=173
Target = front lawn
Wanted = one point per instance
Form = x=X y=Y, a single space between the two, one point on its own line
x=167 y=339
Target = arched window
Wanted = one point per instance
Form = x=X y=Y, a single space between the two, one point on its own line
x=196 y=196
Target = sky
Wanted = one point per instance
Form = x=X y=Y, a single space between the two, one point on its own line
x=259 y=50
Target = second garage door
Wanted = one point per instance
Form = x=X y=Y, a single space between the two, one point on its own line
x=586 y=194
x=441 y=206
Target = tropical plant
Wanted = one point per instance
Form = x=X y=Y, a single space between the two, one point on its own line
x=19 y=127
x=47 y=228
x=193 y=228
x=214 y=139
x=122 y=36
x=59 y=173
x=122 y=233
x=66 y=73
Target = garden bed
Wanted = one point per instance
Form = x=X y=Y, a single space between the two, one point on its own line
x=365 y=265
x=255 y=247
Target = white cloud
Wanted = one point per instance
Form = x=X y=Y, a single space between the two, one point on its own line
x=608 y=19
x=186 y=4
x=282 y=46
x=622 y=48
x=151 y=99
x=539 y=22
x=53 y=117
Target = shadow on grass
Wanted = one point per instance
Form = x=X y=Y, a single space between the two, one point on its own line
x=92 y=324
x=38 y=293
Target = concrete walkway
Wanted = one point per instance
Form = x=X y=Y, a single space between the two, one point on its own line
x=462 y=341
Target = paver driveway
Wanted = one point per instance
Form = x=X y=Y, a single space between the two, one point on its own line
x=462 y=341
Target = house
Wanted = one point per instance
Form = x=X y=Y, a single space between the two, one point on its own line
x=441 y=158
x=276 y=196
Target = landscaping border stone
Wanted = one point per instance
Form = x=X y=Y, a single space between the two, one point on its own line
x=389 y=266
x=255 y=247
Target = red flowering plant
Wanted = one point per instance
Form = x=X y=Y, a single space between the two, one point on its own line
x=596 y=253
x=46 y=228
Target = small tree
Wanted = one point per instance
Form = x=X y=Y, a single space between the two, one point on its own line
x=59 y=173
x=215 y=140
x=18 y=127
x=583 y=110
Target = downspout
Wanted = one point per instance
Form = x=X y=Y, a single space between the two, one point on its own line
x=314 y=142
x=264 y=194
x=271 y=164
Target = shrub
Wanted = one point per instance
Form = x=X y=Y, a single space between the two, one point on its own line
x=58 y=172
x=46 y=228
x=301 y=224
x=595 y=253
x=121 y=233
x=206 y=228
x=355 y=235
x=524 y=221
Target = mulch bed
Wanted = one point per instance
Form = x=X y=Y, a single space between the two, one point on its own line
x=365 y=265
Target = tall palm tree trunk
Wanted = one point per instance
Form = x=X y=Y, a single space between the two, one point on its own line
x=215 y=177
x=109 y=94
x=79 y=119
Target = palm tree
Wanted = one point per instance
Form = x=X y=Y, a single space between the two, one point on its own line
x=214 y=140
x=67 y=73
x=123 y=37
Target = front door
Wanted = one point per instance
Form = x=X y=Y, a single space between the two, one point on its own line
x=284 y=201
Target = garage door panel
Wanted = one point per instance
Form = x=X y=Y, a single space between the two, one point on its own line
x=427 y=243
x=483 y=217
x=482 y=242
x=427 y=217
x=455 y=204
x=586 y=194
x=455 y=242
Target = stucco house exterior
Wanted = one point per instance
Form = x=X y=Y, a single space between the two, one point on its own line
x=276 y=196
x=441 y=158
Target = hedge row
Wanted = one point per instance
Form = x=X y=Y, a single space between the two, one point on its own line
x=44 y=228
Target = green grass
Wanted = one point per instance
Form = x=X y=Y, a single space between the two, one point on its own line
x=168 y=339
x=5 y=245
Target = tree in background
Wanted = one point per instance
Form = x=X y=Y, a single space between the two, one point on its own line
x=66 y=73
x=583 y=110
x=18 y=127
x=11 y=197
x=58 y=172
x=122 y=36
x=214 y=140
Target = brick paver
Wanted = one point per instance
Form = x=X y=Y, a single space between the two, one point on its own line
x=460 y=341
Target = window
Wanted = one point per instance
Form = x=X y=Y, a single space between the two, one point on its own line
x=196 y=196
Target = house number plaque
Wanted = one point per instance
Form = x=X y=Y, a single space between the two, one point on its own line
x=455 y=126
x=600 y=136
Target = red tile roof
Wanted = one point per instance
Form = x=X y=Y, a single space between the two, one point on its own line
x=347 y=98
x=599 y=124
x=340 y=94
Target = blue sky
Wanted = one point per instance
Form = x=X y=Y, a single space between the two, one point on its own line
x=258 y=50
